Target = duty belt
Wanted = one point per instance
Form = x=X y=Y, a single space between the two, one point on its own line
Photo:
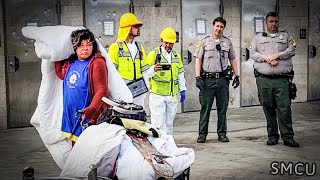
x=215 y=75
x=272 y=76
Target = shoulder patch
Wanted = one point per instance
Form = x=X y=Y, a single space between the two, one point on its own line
x=199 y=44
x=294 y=42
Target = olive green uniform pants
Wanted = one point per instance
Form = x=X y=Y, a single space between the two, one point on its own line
x=219 y=89
x=274 y=98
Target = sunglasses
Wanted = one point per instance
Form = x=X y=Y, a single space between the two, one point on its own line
x=137 y=26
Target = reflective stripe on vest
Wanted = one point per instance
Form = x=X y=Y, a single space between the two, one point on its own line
x=165 y=82
x=127 y=68
x=122 y=53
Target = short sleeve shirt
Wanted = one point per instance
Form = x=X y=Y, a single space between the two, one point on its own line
x=210 y=55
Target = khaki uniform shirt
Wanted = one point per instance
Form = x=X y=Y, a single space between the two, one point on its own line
x=206 y=51
x=282 y=44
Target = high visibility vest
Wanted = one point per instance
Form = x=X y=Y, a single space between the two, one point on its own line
x=165 y=82
x=121 y=57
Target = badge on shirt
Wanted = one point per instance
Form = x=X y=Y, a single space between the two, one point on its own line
x=281 y=37
x=225 y=46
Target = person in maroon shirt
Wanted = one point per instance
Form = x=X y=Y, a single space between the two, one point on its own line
x=86 y=48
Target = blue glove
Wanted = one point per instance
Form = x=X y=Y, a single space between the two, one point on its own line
x=182 y=96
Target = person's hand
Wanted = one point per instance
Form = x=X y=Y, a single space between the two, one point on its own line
x=200 y=83
x=236 y=82
x=271 y=57
x=83 y=116
x=157 y=67
x=182 y=96
x=274 y=63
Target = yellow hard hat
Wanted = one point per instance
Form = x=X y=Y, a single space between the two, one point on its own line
x=128 y=20
x=168 y=35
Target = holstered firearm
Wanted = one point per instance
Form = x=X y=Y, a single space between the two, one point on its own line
x=229 y=72
x=292 y=86
x=289 y=76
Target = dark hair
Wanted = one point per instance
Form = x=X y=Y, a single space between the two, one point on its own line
x=273 y=14
x=220 y=19
x=78 y=35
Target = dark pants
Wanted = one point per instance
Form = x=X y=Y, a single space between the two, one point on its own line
x=219 y=89
x=274 y=98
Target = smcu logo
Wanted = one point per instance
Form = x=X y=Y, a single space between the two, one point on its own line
x=291 y=168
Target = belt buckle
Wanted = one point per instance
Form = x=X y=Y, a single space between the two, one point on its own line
x=216 y=75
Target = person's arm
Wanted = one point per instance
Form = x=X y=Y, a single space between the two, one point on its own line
x=145 y=68
x=234 y=66
x=198 y=65
x=232 y=59
x=182 y=82
x=113 y=54
x=181 y=78
x=290 y=51
x=198 y=55
x=151 y=58
x=100 y=87
x=61 y=68
x=254 y=54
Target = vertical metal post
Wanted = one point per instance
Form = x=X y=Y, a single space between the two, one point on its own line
x=221 y=8
x=277 y=6
x=131 y=8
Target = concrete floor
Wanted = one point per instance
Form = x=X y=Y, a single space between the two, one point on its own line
x=246 y=156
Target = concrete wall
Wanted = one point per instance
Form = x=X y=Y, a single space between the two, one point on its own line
x=232 y=11
x=72 y=12
x=3 y=89
x=157 y=18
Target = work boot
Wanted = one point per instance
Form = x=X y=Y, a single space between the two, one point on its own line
x=223 y=138
x=291 y=143
x=201 y=139
x=272 y=141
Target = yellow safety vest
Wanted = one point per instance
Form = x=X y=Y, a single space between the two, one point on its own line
x=165 y=82
x=121 y=57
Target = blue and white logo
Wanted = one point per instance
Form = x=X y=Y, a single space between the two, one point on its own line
x=72 y=81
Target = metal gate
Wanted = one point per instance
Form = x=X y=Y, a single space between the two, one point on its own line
x=253 y=19
x=197 y=18
x=23 y=66
x=102 y=18
x=314 y=46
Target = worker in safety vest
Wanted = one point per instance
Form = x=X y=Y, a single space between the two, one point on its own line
x=166 y=81
x=129 y=57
